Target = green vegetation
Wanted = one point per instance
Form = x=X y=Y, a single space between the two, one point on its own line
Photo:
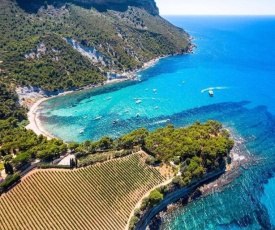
x=155 y=197
x=100 y=197
x=60 y=67
x=33 y=50
x=133 y=222
x=10 y=180
x=196 y=149
x=15 y=139
x=101 y=157
x=9 y=108
x=50 y=166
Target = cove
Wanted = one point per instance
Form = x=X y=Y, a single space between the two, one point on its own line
x=236 y=57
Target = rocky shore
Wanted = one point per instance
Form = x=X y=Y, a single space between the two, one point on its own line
x=174 y=197
x=215 y=181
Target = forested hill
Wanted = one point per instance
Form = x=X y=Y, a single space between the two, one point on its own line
x=38 y=43
x=120 y=34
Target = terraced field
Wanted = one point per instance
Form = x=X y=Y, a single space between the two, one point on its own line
x=96 y=197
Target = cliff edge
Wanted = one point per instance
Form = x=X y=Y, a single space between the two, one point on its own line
x=64 y=44
x=148 y=5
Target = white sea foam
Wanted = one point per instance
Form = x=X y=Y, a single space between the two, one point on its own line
x=161 y=121
x=217 y=87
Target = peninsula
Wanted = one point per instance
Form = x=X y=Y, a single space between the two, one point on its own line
x=114 y=175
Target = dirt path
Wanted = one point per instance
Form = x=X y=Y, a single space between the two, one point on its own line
x=146 y=195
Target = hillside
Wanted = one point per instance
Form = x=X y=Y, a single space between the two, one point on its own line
x=120 y=36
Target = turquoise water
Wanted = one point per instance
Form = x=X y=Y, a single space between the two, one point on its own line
x=236 y=57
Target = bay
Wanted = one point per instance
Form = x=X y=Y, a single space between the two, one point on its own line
x=236 y=57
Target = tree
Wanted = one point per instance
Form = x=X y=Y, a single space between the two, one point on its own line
x=8 y=168
x=178 y=181
x=155 y=197
x=72 y=146
x=105 y=143
x=22 y=158
x=150 y=160
x=136 y=137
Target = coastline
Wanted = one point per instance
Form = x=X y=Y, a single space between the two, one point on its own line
x=34 y=99
x=212 y=182
x=34 y=122
x=172 y=197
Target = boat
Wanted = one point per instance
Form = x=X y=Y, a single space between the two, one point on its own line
x=109 y=98
x=115 y=121
x=154 y=90
x=156 y=107
x=81 y=131
x=97 y=118
x=211 y=93
x=138 y=101
x=85 y=117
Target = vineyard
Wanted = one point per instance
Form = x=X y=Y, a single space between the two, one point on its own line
x=96 y=197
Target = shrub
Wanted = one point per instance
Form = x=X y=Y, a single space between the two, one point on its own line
x=144 y=204
x=176 y=160
x=137 y=212
x=133 y=222
x=155 y=197
x=92 y=159
x=22 y=158
x=81 y=154
x=150 y=160
x=9 y=181
x=7 y=157
x=48 y=166
x=122 y=153
x=178 y=181
x=164 y=189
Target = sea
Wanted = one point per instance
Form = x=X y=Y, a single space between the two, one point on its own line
x=235 y=57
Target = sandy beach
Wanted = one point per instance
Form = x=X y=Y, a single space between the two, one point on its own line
x=35 y=124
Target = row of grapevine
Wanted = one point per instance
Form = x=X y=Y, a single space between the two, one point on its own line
x=97 y=197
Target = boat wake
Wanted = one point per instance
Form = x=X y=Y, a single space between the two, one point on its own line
x=161 y=121
x=212 y=88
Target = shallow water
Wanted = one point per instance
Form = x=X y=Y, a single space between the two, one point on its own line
x=236 y=57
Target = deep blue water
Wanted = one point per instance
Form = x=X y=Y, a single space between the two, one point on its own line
x=235 y=56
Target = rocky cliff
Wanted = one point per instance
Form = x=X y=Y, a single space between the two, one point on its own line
x=101 y=5
x=110 y=36
x=148 y=5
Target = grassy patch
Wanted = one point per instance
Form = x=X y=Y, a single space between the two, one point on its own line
x=1 y=166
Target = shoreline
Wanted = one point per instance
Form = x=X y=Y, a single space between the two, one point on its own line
x=35 y=123
x=38 y=98
x=147 y=217
x=215 y=181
